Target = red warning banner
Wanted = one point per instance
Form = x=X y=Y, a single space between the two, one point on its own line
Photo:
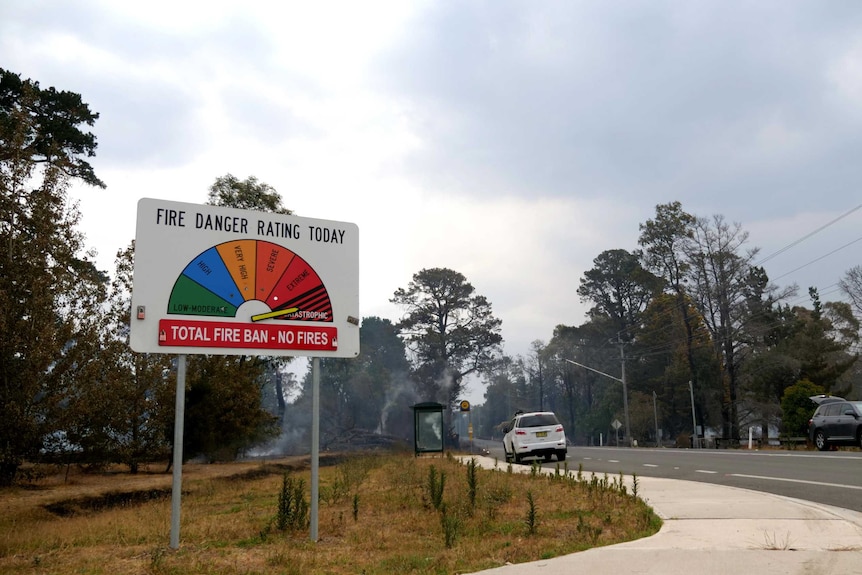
x=194 y=333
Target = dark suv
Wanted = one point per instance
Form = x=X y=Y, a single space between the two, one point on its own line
x=835 y=422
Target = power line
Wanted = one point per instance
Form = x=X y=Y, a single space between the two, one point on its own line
x=818 y=259
x=797 y=242
x=805 y=237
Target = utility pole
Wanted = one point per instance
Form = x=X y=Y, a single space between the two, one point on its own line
x=628 y=436
x=621 y=380
x=655 y=416
x=541 y=384
x=694 y=439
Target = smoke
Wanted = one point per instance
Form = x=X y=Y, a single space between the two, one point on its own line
x=292 y=441
x=448 y=387
x=396 y=417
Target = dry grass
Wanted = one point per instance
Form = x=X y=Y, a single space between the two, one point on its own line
x=377 y=515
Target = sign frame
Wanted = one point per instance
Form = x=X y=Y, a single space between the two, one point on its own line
x=200 y=270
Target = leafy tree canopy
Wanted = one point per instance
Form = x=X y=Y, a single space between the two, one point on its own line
x=248 y=194
x=619 y=287
x=43 y=125
x=49 y=293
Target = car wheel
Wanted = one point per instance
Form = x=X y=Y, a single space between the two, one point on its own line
x=820 y=440
x=506 y=454
x=859 y=437
x=561 y=455
x=515 y=455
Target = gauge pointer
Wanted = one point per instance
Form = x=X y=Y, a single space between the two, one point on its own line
x=276 y=313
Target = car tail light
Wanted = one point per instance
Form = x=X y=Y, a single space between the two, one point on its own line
x=559 y=429
x=520 y=432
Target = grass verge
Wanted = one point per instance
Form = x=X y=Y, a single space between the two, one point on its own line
x=378 y=514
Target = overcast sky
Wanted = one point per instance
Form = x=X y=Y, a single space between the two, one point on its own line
x=510 y=141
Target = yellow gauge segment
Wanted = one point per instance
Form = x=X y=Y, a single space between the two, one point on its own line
x=276 y=313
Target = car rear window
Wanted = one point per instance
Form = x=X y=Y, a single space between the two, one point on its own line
x=538 y=420
x=833 y=409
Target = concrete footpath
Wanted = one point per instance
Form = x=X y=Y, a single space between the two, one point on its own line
x=717 y=530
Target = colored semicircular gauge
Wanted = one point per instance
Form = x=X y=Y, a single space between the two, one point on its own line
x=218 y=281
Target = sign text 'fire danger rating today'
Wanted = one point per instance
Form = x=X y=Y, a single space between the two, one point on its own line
x=191 y=333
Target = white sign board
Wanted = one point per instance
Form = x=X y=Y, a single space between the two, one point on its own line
x=215 y=280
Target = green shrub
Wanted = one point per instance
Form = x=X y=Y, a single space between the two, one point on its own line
x=293 y=508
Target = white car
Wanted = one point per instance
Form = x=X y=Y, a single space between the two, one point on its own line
x=534 y=434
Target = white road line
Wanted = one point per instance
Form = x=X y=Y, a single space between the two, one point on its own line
x=613 y=460
x=650 y=465
x=704 y=471
x=821 y=483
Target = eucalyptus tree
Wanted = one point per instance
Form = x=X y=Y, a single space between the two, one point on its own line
x=665 y=240
x=620 y=289
x=663 y=359
x=450 y=330
x=535 y=367
x=720 y=270
x=121 y=411
x=247 y=194
x=48 y=285
x=851 y=286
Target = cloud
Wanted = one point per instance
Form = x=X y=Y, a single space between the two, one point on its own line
x=512 y=142
x=654 y=100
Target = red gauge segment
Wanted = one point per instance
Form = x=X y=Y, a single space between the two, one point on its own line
x=300 y=287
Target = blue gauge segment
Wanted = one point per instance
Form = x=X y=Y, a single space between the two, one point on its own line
x=208 y=269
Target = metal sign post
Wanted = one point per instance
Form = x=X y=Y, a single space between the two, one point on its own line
x=315 y=444
x=616 y=425
x=179 y=422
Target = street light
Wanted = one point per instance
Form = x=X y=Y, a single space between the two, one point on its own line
x=625 y=392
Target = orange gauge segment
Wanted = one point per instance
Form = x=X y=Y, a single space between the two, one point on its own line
x=239 y=258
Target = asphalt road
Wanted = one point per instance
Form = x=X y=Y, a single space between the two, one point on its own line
x=831 y=478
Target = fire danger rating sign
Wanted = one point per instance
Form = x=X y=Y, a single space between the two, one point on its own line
x=191 y=333
x=211 y=279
